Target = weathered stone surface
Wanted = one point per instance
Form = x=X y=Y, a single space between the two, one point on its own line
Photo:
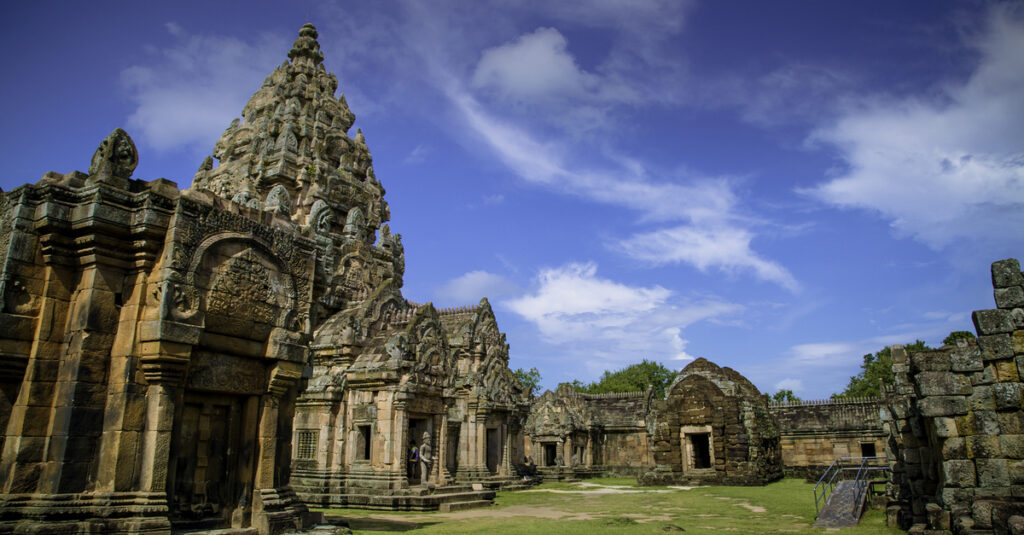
x=995 y=321
x=942 y=406
x=1006 y=273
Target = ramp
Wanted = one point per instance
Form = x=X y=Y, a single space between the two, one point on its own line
x=843 y=507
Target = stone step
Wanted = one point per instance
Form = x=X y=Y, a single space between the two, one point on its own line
x=448 y=507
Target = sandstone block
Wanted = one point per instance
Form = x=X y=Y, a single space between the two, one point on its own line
x=994 y=321
x=1011 y=423
x=1006 y=371
x=981 y=398
x=959 y=473
x=1012 y=446
x=992 y=472
x=945 y=427
x=987 y=422
x=966 y=359
x=929 y=361
x=1009 y=297
x=942 y=406
x=933 y=383
x=954 y=448
x=996 y=346
x=1008 y=395
x=1006 y=273
x=982 y=446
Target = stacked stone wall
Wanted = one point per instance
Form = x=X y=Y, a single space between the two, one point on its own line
x=814 y=433
x=956 y=425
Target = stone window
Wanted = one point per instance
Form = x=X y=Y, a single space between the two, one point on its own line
x=307 y=439
x=698 y=448
x=550 y=454
x=867 y=449
x=363 y=443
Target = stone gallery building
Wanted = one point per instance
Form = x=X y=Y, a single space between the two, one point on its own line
x=155 y=341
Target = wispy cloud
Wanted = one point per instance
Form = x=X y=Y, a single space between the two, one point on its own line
x=189 y=92
x=607 y=323
x=472 y=286
x=944 y=170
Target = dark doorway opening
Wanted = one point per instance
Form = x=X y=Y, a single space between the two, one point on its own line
x=493 y=450
x=867 y=449
x=550 y=454
x=701 y=446
x=452 y=457
x=363 y=443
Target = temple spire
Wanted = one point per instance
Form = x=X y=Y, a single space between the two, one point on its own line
x=306 y=46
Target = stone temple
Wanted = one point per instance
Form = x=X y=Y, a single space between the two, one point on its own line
x=224 y=356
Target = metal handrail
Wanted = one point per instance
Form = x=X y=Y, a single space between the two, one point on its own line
x=839 y=469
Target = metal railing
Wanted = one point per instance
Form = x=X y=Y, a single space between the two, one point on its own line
x=859 y=469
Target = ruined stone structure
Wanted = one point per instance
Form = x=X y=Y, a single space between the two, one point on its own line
x=570 y=434
x=812 y=434
x=373 y=397
x=955 y=419
x=713 y=427
x=155 y=341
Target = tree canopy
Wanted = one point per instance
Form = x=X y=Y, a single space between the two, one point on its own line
x=875 y=371
x=957 y=335
x=784 y=394
x=637 y=377
x=530 y=379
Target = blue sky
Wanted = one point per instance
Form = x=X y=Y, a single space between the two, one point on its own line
x=779 y=187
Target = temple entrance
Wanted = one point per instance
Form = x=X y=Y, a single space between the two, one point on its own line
x=701 y=450
x=417 y=426
x=550 y=454
x=493 y=449
x=452 y=455
x=207 y=477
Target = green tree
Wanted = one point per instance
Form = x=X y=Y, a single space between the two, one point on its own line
x=530 y=379
x=784 y=394
x=957 y=335
x=637 y=377
x=876 y=371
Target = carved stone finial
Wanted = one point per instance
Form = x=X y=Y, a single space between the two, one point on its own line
x=115 y=159
x=306 y=46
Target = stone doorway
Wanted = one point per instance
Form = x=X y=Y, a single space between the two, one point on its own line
x=550 y=454
x=494 y=443
x=211 y=471
x=418 y=426
x=698 y=448
x=452 y=455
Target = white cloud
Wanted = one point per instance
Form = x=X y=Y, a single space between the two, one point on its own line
x=536 y=65
x=945 y=170
x=190 y=91
x=823 y=354
x=418 y=154
x=796 y=385
x=607 y=323
x=706 y=246
x=474 y=285
x=708 y=205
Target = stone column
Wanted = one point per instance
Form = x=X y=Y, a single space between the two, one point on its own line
x=401 y=432
x=441 y=455
x=481 y=440
x=506 y=462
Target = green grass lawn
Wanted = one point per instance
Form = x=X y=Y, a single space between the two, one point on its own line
x=617 y=505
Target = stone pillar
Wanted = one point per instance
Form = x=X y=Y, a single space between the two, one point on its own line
x=401 y=434
x=442 y=450
x=481 y=441
x=156 y=439
x=506 y=464
x=589 y=456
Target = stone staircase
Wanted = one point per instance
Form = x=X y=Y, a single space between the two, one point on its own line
x=447 y=498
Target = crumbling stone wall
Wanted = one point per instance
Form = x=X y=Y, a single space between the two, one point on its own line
x=814 y=433
x=956 y=425
x=712 y=428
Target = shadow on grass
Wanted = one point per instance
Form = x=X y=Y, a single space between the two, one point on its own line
x=377 y=524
